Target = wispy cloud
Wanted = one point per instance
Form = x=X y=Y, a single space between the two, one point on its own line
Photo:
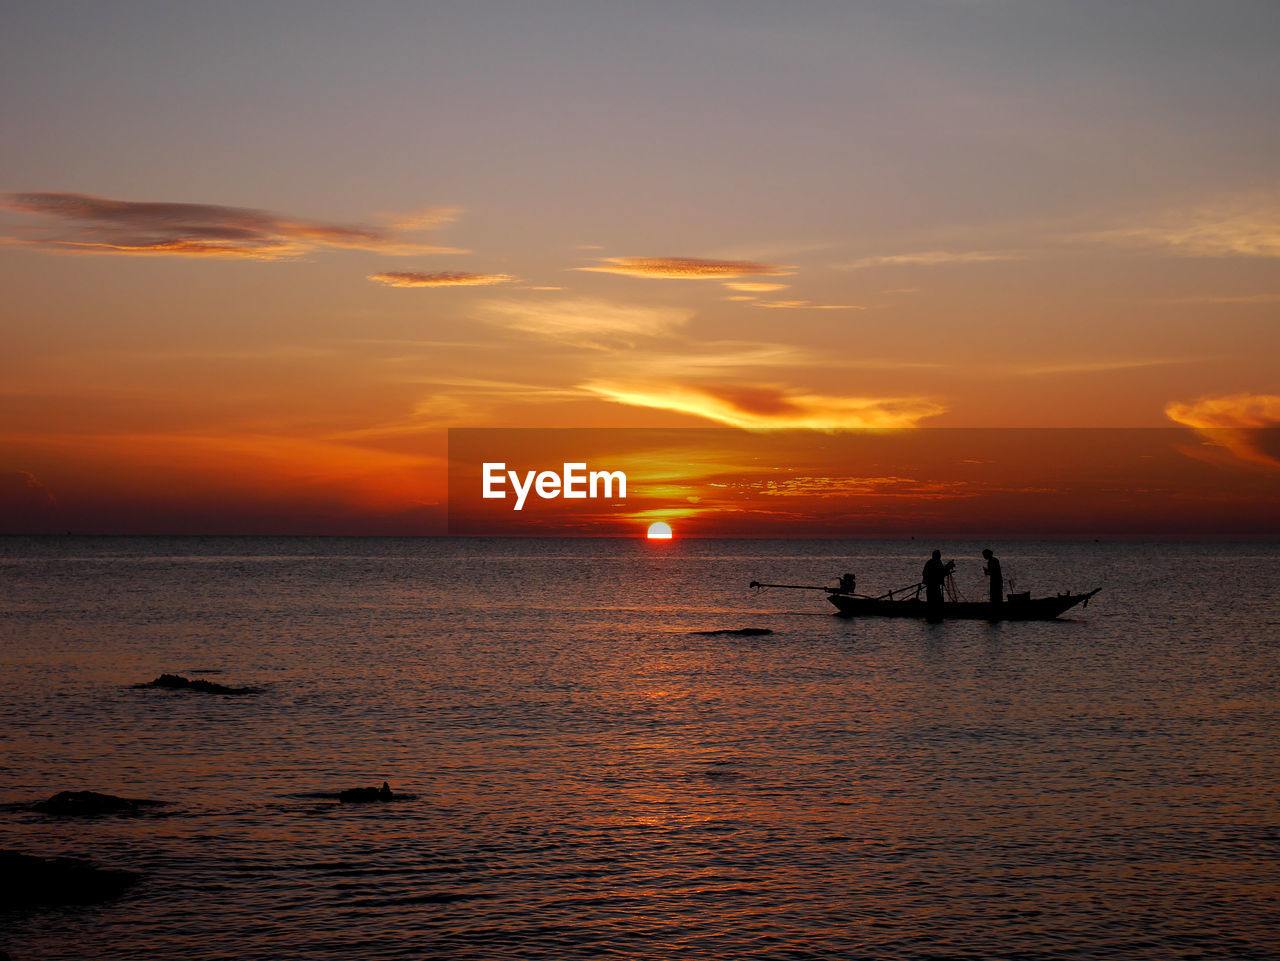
x=805 y=305
x=502 y=388
x=1243 y=299
x=425 y=218
x=685 y=268
x=755 y=286
x=1101 y=366
x=22 y=493
x=406 y=278
x=585 y=322
x=88 y=224
x=935 y=258
x=1231 y=410
x=708 y=359
x=701 y=361
x=1248 y=425
x=841 y=487
x=1251 y=230
x=752 y=406
x=461 y=402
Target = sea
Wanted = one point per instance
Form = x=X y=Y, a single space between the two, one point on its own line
x=584 y=771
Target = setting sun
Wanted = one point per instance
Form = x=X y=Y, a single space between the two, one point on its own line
x=659 y=531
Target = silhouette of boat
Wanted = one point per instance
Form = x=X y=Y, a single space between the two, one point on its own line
x=1019 y=607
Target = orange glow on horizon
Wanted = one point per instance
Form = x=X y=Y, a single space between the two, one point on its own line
x=890 y=483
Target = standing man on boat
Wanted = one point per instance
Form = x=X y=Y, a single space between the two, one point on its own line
x=934 y=575
x=992 y=570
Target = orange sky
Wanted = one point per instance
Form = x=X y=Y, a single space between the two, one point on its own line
x=252 y=295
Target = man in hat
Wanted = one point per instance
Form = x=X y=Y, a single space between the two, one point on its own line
x=934 y=575
x=992 y=570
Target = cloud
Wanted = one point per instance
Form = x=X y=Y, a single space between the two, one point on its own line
x=840 y=487
x=701 y=360
x=1206 y=232
x=23 y=498
x=585 y=322
x=427 y=218
x=406 y=278
x=1232 y=410
x=87 y=224
x=805 y=305
x=1248 y=425
x=685 y=268
x=755 y=287
x=934 y=258
x=502 y=388
x=709 y=359
x=753 y=406
x=1211 y=299
x=1100 y=366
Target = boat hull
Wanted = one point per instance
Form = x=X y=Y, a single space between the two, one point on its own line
x=1028 y=609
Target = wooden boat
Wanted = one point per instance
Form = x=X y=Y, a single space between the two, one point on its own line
x=1019 y=607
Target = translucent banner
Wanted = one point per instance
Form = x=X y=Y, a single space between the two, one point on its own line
x=869 y=483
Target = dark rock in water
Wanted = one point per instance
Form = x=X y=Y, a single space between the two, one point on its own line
x=80 y=804
x=176 y=682
x=26 y=879
x=361 y=795
x=738 y=632
x=365 y=794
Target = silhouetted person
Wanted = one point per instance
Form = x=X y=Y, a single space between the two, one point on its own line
x=934 y=575
x=992 y=570
x=848 y=583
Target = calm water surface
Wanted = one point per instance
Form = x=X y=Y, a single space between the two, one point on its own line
x=596 y=780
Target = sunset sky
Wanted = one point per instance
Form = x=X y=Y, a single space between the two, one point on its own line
x=257 y=259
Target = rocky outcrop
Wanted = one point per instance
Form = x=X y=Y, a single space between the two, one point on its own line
x=82 y=804
x=362 y=795
x=26 y=879
x=176 y=682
